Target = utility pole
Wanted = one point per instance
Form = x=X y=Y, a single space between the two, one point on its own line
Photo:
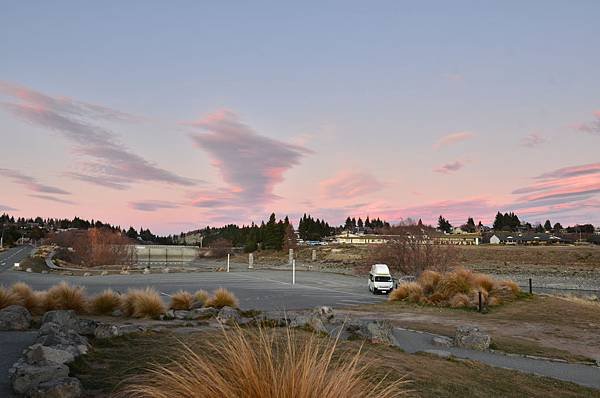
x=293 y=271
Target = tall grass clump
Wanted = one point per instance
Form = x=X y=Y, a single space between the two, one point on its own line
x=33 y=301
x=459 y=288
x=105 y=303
x=8 y=297
x=201 y=296
x=259 y=365
x=142 y=303
x=66 y=297
x=182 y=300
x=222 y=298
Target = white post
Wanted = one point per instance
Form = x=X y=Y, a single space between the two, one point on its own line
x=250 y=260
x=294 y=272
x=227 y=262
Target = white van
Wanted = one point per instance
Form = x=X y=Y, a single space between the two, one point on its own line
x=380 y=279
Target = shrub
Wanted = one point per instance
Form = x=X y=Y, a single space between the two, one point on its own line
x=8 y=297
x=201 y=296
x=257 y=365
x=181 y=300
x=31 y=300
x=105 y=303
x=143 y=303
x=511 y=285
x=459 y=300
x=410 y=291
x=66 y=297
x=484 y=282
x=453 y=283
x=222 y=298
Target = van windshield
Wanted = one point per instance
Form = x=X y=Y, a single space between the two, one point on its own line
x=383 y=279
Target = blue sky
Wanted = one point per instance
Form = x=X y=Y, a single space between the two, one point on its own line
x=359 y=93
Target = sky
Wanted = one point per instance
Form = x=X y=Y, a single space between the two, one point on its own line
x=177 y=115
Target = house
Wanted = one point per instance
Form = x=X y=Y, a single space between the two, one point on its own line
x=525 y=238
x=425 y=237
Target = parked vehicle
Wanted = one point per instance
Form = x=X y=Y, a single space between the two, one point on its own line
x=380 y=279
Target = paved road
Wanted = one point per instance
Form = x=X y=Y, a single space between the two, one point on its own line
x=589 y=376
x=262 y=290
x=12 y=256
x=12 y=345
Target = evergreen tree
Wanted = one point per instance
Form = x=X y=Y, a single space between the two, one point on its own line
x=547 y=226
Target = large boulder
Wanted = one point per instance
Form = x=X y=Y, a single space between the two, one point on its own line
x=64 y=387
x=203 y=313
x=24 y=376
x=65 y=319
x=471 y=337
x=52 y=335
x=15 y=317
x=228 y=315
x=311 y=322
x=40 y=354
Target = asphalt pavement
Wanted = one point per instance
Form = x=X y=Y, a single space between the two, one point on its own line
x=13 y=255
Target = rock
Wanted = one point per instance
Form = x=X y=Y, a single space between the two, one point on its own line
x=87 y=327
x=24 y=376
x=52 y=335
x=196 y=305
x=65 y=319
x=181 y=314
x=439 y=353
x=324 y=312
x=124 y=272
x=375 y=331
x=64 y=387
x=203 y=313
x=442 y=341
x=273 y=318
x=44 y=355
x=28 y=270
x=104 y=273
x=312 y=322
x=228 y=315
x=15 y=317
x=165 y=270
x=470 y=337
x=105 y=331
x=87 y=274
x=117 y=313
x=146 y=271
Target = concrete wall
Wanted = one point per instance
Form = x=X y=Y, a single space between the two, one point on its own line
x=165 y=254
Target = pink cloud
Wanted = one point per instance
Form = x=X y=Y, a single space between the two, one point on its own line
x=450 y=167
x=533 y=140
x=348 y=184
x=153 y=205
x=454 y=138
x=592 y=127
x=31 y=183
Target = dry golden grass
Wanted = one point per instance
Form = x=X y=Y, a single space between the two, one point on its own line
x=8 y=297
x=201 y=296
x=33 y=301
x=222 y=298
x=411 y=291
x=142 y=303
x=105 y=303
x=429 y=280
x=459 y=288
x=181 y=300
x=257 y=365
x=66 y=297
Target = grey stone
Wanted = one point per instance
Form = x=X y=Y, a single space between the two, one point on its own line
x=87 y=327
x=442 y=341
x=64 y=387
x=439 y=353
x=197 y=304
x=117 y=313
x=15 y=317
x=105 y=331
x=181 y=314
x=375 y=331
x=203 y=313
x=52 y=335
x=66 y=319
x=471 y=337
x=40 y=354
x=228 y=315
x=24 y=376
x=312 y=322
x=324 y=312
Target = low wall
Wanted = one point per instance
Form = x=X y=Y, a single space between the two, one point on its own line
x=163 y=254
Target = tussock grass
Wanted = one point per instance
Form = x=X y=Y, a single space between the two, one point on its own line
x=8 y=298
x=181 y=300
x=33 y=301
x=66 y=297
x=222 y=298
x=105 y=303
x=201 y=296
x=142 y=303
x=459 y=288
x=257 y=365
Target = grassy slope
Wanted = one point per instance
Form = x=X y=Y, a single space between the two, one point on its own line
x=111 y=361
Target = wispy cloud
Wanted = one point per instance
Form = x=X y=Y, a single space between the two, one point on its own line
x=152 y=205
x=53 y=199
x=350 y=185
x=251 y=164
x=82 y=124
x=533 y=140
x=592 y=127
x=6 y=208
x=31 y=183
x=450 y=167
x=453 y=138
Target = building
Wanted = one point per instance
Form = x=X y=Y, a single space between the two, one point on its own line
x=525 y=238
x=426 y=237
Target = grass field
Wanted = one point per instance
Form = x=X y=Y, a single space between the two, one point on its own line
x=113 y=360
